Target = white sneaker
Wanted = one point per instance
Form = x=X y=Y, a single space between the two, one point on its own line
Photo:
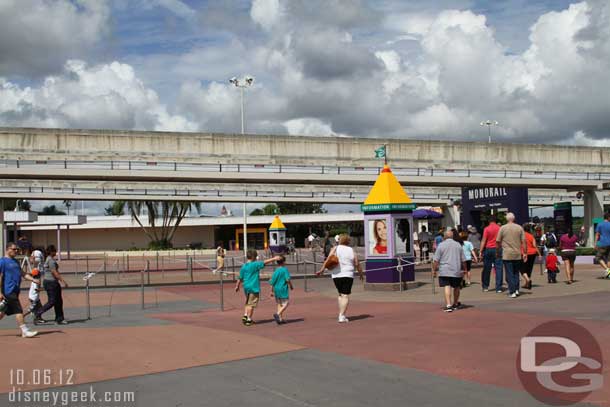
x=29 y=334
x=513 y=295
x=342 y=318
x=517 y=292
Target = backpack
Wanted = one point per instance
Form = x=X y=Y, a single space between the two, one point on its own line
x=550 y=240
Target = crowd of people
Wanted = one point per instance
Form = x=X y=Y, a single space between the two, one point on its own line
x=510 y=251
x=42 y=272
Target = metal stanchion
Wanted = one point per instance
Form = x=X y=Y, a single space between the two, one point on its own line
x=222 y=291
x=127 y=263
x=399 y=269
x=163 y=268
x=87 y=264
x=432 y=276
x=142 y=284
x=157 y=255
x=233 y=267
x=305 y=280
x=148 y=272
x=88 y=299
x=76 y=268
x=105 y=269
x=190 y=267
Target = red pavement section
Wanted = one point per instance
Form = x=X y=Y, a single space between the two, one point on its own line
x=470 y=344
x=96 y=354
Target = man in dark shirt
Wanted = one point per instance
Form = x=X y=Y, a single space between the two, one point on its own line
x=10 y=275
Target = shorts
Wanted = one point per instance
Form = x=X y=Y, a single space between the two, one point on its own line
x=281 y=301
x=468 y=265
x=13 y=306
x=252 y=299
x=344 y=285
x=454 y=282
x=602 y=253
x=568 y=255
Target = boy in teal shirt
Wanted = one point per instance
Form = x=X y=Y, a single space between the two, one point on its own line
x=280 y=281
x=249 y=274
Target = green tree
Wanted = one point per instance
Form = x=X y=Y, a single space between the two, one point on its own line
x=269 y=209
x=300 y=207
x=168 y=213
x=68 y=204
x=23 y=205
x=51 y=210
x=116 y=209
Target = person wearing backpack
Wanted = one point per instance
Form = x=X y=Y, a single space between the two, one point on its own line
x=549 y=240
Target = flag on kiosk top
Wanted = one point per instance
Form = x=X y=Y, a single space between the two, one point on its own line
x=380 y=152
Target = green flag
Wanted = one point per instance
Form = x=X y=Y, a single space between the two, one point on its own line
x=380 y=152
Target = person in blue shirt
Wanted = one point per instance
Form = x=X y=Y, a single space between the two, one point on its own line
x=249 y=275
x=10 y=277
x=602 y=242
x=280 y=281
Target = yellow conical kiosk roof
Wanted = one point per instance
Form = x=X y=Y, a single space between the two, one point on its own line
x=277 y=224
x=387 y=195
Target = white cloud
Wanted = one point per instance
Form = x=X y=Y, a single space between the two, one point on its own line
x=266 y=13
x=36 y=37
x=102 y=96
x=308 y=126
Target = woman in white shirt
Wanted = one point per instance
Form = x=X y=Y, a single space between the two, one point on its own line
x=343 y=272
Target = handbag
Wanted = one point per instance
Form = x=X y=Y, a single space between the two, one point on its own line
x=331 y=262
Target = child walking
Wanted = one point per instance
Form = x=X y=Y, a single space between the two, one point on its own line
x=249 y=274
x=552 y=266
x=280 y=281
x=34 y=297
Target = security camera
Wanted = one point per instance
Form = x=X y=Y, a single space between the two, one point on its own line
x=233 y=80
x=249 y=80
x=579 y=195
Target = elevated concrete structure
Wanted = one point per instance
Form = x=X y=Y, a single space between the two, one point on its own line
x=107 y=145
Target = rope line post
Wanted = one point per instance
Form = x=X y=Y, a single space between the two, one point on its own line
x=88 y=299
x=305 y=279
x=233 y=267
x=157 y=255
x=190 y=268
x=105 y=269
x=148 y=272
x=399 y=269
x=222 y=291
x=128 y=263
x=142 y=285
x=163 y=268
x=432 y=276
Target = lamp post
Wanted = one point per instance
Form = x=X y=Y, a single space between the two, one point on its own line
x=242 y=84
x=489 y=123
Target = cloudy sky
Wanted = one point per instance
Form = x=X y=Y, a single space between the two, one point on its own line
x=380 y=68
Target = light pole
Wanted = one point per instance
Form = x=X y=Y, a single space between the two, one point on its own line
x=242 y=84
x=489 y=123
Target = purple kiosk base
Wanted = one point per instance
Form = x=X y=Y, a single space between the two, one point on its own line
x=382 y=275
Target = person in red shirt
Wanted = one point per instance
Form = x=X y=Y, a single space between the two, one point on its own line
x=490 y=257
x=532 y=253
x=552 y=266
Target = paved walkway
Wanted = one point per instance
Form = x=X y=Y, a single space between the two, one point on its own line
x=398 y=348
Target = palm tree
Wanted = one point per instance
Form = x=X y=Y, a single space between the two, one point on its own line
x=170 y=213
x=67 y=204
